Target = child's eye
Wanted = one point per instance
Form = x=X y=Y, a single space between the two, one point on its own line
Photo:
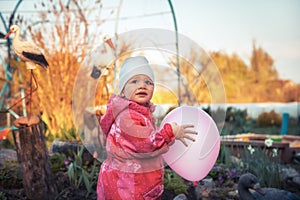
x=134 y=81
x=148 y=83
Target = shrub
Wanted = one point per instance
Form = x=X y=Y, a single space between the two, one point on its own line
x=237 y=121
x=269 y=119
x=236 y=115
x=173 y=181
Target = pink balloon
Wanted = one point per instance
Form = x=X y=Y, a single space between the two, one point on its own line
x=194 y=162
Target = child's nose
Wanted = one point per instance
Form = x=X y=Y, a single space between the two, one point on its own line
x=142 y=84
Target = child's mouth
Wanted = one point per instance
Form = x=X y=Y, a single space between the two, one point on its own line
x=141 y=93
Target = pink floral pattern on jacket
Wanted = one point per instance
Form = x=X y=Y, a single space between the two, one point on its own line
x=134 y=166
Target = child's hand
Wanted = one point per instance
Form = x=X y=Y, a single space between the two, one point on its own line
x=182 y=132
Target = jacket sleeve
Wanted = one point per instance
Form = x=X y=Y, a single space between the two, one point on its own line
x=142 y=139
x=106 y=121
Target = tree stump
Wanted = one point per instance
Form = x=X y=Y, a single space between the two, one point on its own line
x=38 y=179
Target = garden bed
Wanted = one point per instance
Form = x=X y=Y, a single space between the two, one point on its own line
x=287 y=145
x=221 y=183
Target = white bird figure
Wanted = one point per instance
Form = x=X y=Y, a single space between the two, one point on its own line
x=108 y=41
x=107 y=53
x=103 y=57
x=26 y=51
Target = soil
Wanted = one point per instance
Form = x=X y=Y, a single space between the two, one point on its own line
x=14 y=190
x=77 y=194
x=67 y=191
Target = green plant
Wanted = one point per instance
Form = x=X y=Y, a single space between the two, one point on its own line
x=2 y=196
x=222 y=173
x=264 y=163
x=78 y=174
x=64 y=134
x=57 y=162
x=224 y=155
x=10 y=175
x=173 y=181
x=226 y=169
x=70 y=134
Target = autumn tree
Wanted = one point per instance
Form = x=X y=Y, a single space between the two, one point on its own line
x=262 y=66
x=63 y=32
x=262 y=73
x=201 y=81
x=235 y=74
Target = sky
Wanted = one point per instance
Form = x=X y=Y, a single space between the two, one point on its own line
x=229 y=26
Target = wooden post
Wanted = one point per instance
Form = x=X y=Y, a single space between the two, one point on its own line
x=38 y=180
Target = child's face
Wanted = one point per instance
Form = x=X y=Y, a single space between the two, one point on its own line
x=139 y=89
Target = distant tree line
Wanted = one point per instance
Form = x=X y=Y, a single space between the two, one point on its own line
x=256 y=82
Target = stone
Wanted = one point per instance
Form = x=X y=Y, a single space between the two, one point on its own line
x=69 y=148
x=8 y=155
x=180 y=197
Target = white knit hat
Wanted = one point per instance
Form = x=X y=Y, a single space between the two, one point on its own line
x=133 y=66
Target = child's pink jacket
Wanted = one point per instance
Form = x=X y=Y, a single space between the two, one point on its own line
x=134 y=167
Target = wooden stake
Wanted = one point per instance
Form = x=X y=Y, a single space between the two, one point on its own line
x=38 y=180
